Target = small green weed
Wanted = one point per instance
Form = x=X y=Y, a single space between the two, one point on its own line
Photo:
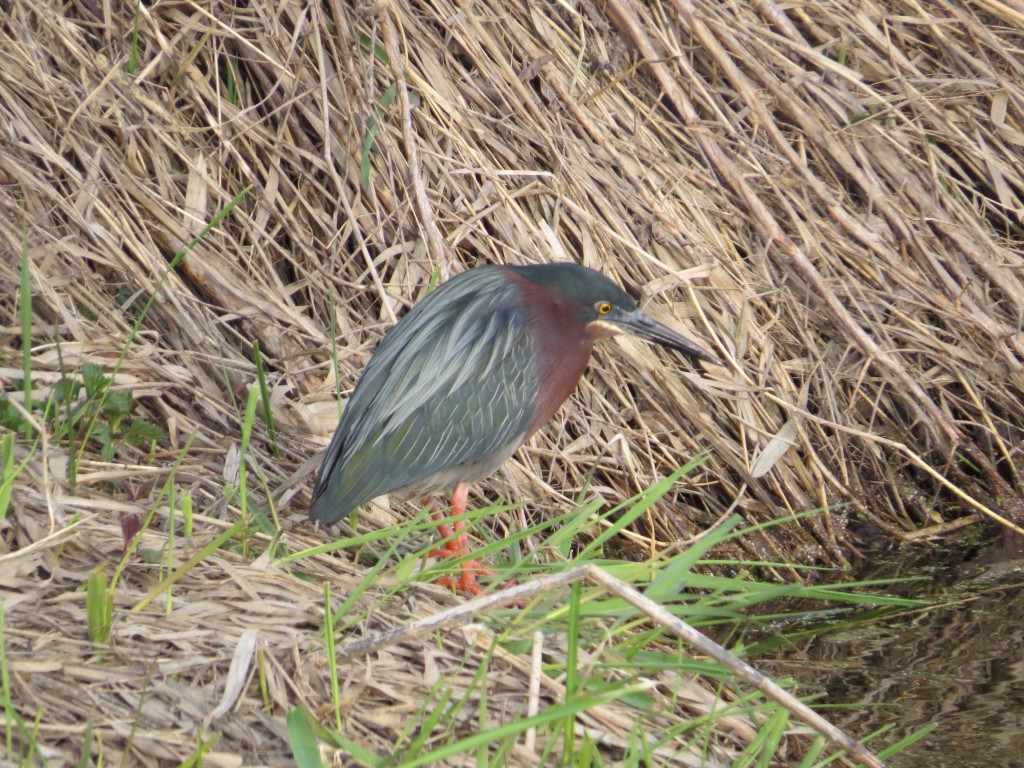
x=7 y=473
x=102 y=416
x=99 y=604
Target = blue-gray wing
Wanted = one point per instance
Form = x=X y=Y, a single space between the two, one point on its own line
x=452 y=385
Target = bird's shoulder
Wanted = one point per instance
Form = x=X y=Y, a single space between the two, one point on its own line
x=457 y=335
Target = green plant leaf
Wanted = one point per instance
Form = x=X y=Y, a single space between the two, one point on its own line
x=66 y=390
x=673 y=578
x=378 y=50
x=99 y=606
x=141 y=433
x=101 y=434
x=95 y=380
x=371 y=133
x=11 y=418
x=7 y=472
x=305 y=748
x=117 y=405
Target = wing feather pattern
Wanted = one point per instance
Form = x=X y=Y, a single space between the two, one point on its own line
x=452 y=385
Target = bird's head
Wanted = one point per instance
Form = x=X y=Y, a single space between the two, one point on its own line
x=604 y=308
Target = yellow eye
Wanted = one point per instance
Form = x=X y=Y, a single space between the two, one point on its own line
x=604 y=308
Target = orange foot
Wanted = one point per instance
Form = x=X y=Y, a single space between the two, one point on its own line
x=458 y=546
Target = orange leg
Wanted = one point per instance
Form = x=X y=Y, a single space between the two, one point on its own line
x=458 y=546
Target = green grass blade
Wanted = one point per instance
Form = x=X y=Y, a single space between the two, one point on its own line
x=545 y=719
x=133 y=52
x=189 y=564
x=5 y=684
x=243 y=474
x=99 y=606
x=675 y=575
x=372 y=127
x=332 y=660
x=903 y=743
x=7 y=473
x=268 y=414
x=572 y=676
x=640 y=504
x=305 y=747
x=375 y=48
x=202 y=747
x=85 y=758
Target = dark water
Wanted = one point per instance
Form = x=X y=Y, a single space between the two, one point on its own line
x=957 y=663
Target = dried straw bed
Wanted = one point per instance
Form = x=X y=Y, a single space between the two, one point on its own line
x=828 y=195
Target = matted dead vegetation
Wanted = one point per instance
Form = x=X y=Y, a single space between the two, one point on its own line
x=829 y=195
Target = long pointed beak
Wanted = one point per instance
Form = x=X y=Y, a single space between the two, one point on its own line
x=640 y=325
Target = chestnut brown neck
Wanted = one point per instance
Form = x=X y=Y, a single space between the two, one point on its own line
x=561 y=343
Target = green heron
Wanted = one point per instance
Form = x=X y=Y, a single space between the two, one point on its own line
x=465 y=378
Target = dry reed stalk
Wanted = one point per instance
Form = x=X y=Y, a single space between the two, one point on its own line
x=829 y=195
